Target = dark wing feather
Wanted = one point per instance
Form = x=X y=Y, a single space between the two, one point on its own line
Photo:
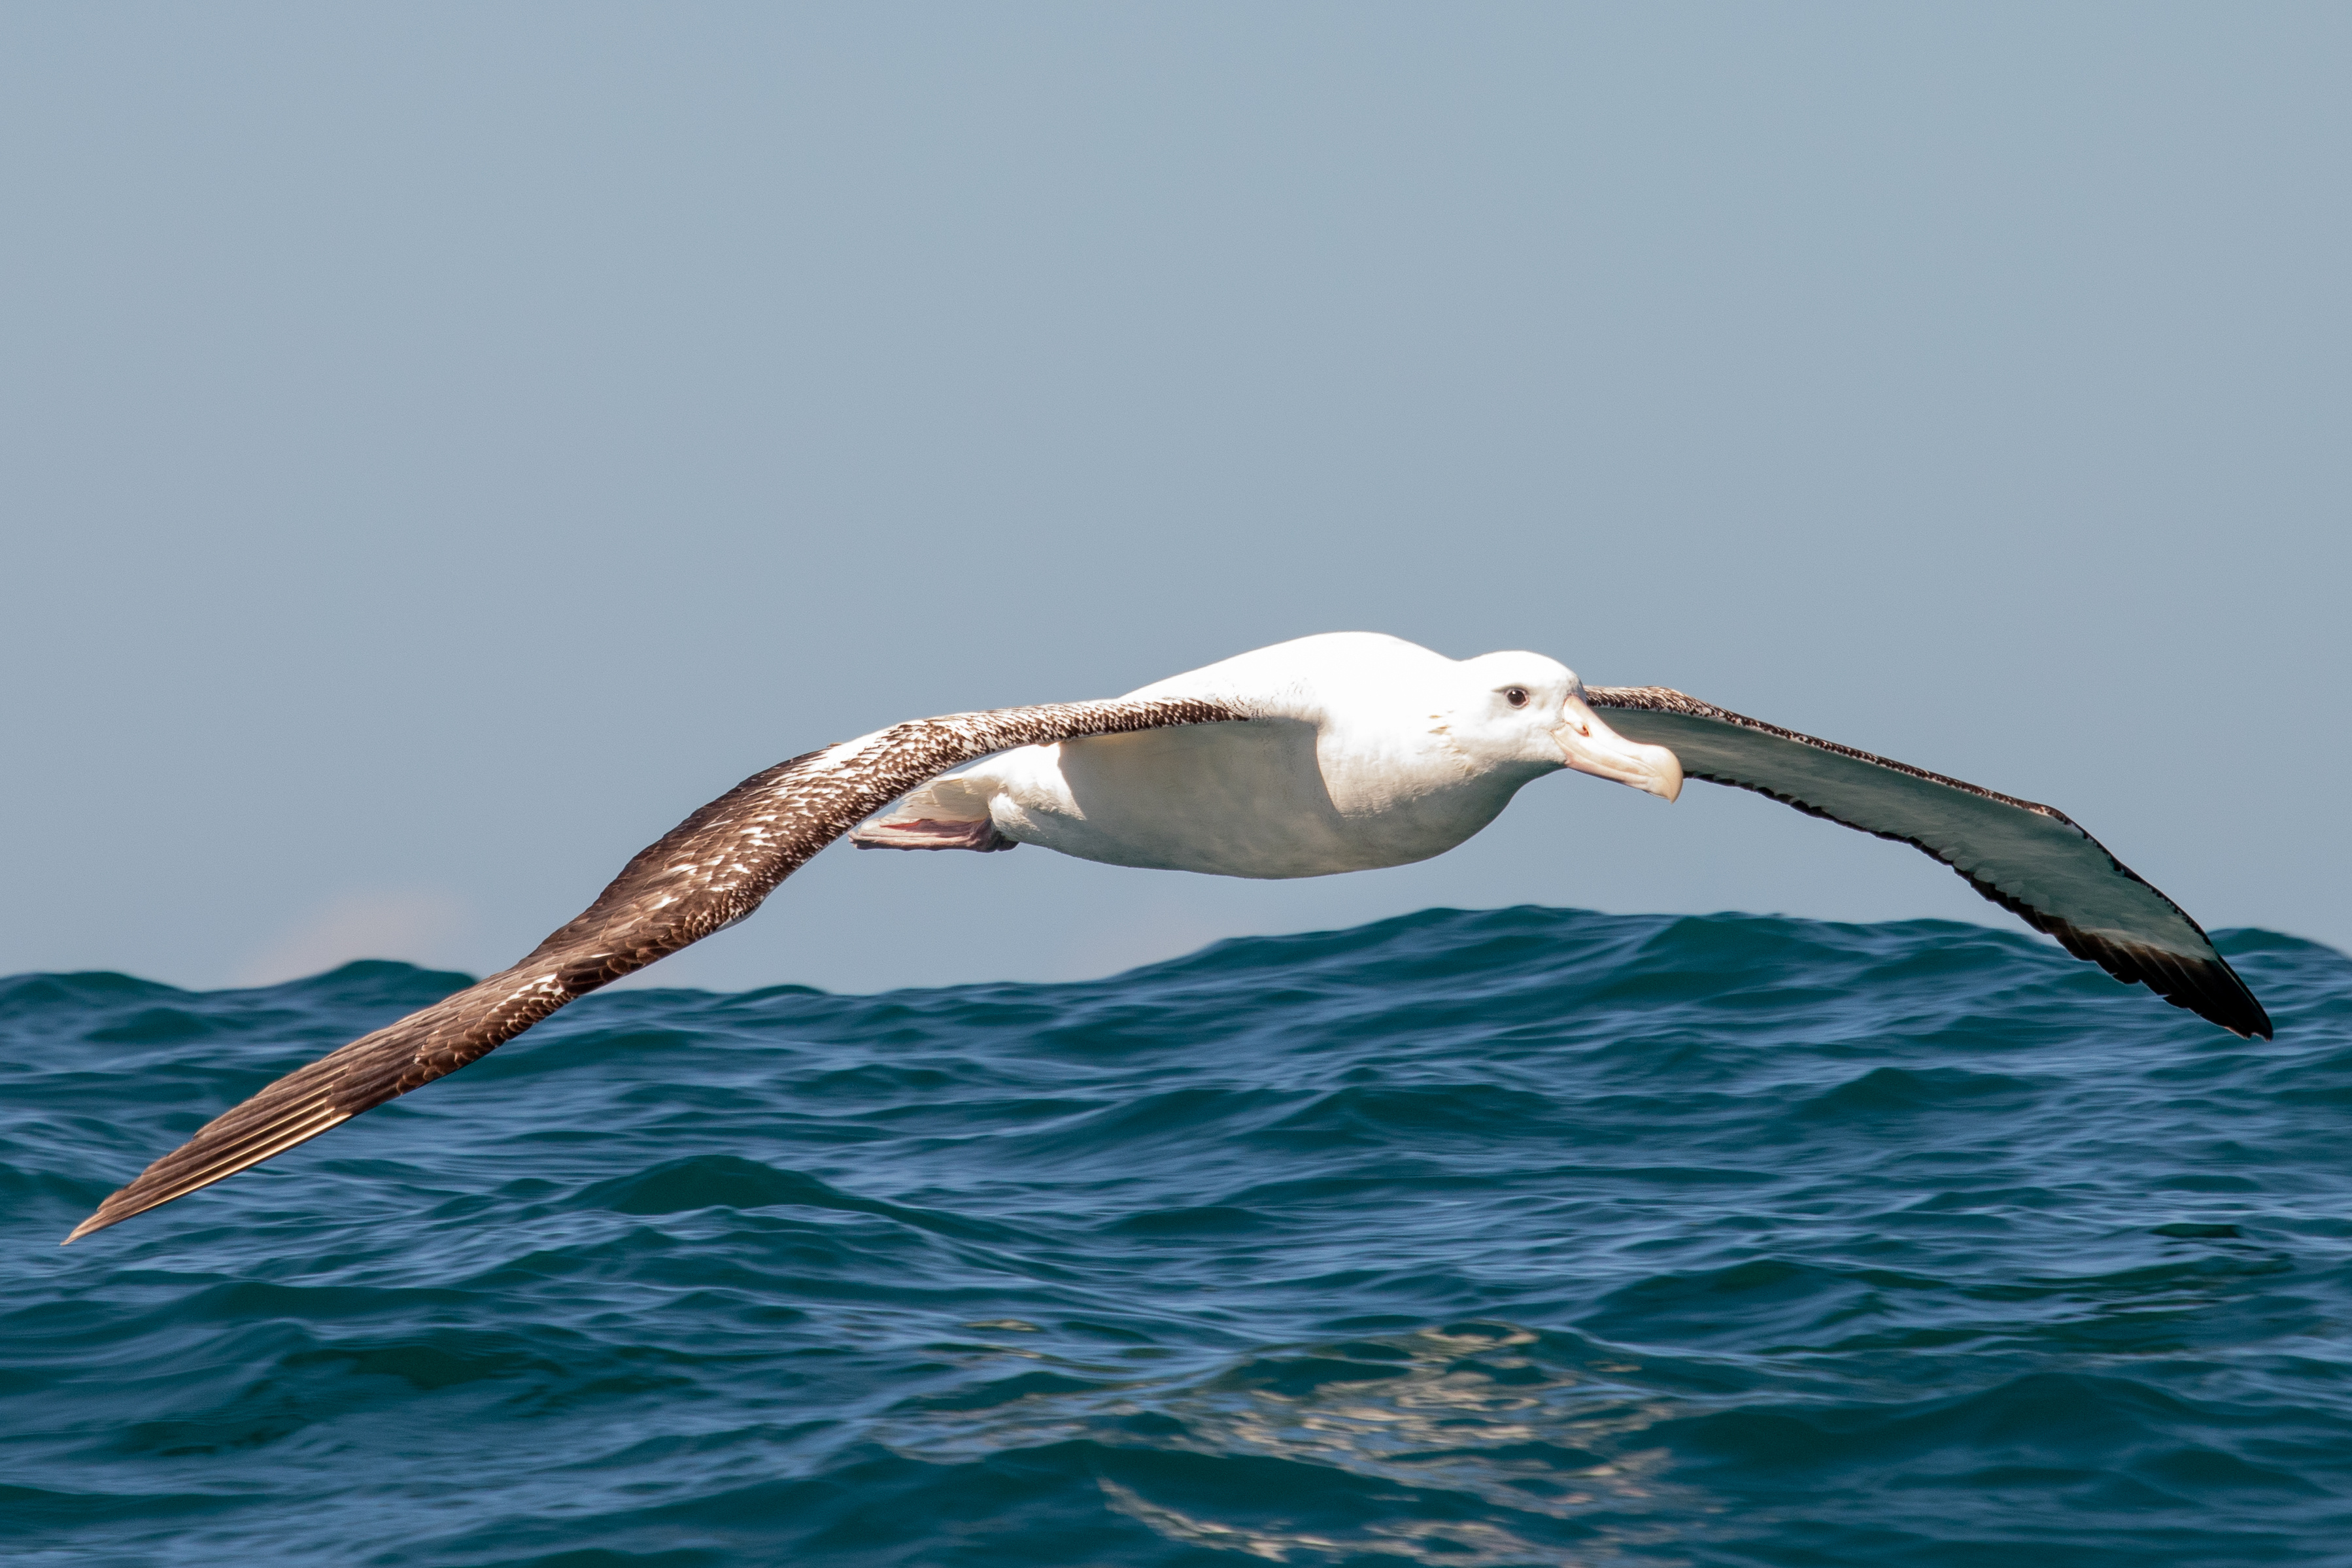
x=2031 y=859
x=705 y=873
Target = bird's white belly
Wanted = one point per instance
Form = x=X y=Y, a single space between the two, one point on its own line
x=1241 y=800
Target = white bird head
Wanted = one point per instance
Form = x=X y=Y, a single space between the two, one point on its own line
x=1531 y=709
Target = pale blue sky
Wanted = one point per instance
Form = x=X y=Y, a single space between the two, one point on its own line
x=444 y=445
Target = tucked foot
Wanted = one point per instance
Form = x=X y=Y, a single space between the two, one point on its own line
x=930 y=833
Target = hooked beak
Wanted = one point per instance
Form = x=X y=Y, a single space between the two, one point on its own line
x=1592 y=747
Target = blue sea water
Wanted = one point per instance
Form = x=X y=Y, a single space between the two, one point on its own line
x=1520 y=1237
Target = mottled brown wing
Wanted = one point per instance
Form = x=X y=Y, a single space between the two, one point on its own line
x=707 y=873
x=2031 y=859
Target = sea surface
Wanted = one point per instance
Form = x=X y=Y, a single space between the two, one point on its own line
x=1527 y=1236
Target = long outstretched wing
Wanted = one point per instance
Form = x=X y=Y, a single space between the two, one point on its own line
x=2032 y=861
x=705 y=873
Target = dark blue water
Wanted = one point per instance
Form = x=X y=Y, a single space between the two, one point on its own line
x=1527 y=1236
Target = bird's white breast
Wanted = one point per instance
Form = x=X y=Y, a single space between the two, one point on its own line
x=1269 y=798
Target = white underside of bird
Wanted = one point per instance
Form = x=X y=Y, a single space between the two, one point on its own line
x=1360 y=751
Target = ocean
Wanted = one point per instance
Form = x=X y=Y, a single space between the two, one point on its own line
x=1515 y=1237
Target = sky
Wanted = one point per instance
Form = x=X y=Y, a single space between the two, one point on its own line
x=441 y=445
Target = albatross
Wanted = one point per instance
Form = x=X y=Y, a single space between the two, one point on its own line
x=1331 y=753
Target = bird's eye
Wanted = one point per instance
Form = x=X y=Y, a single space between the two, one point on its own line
x=1516 y=696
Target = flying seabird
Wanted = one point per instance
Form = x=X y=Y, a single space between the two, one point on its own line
x=1338 y=753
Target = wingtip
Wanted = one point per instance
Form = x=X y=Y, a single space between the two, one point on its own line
x=2249 y=1020
x=2216 y=993
x=112 y=1212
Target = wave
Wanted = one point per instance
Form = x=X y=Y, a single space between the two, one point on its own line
x=1510 y=1237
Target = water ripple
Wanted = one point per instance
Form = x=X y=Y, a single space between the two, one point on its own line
x=1521 y=1237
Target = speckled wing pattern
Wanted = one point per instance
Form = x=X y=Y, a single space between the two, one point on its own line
x=2031 y=859
x=707 y=873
